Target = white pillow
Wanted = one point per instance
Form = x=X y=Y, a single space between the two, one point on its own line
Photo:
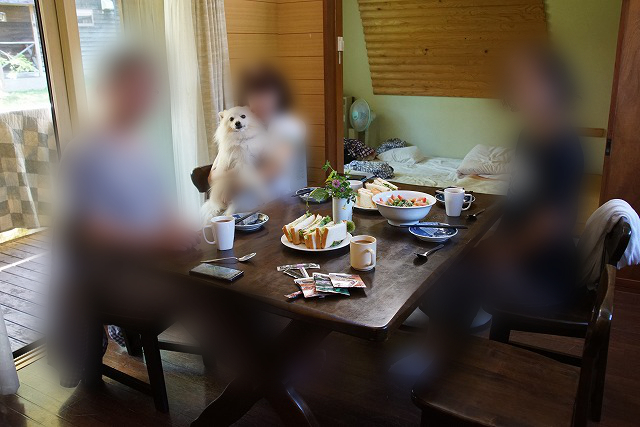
x=403 y=155
x=486 y=160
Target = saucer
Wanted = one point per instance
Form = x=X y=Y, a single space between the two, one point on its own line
x=437 y=235
x=253 y=223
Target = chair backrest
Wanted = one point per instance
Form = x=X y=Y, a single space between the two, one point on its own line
x=596 y=345
x=616 y=241
x=200 y=178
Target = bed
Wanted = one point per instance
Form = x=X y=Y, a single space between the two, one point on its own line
x=442 y=172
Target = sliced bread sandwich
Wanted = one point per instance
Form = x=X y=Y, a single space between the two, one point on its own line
x=380 y=185
x=291 y=230
x=364 y=198
x=309 y=233
x=330 y=234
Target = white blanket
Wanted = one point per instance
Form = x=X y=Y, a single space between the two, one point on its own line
x=591 y=243
x=441 y=172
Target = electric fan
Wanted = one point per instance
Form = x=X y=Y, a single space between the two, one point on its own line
x=361 y=116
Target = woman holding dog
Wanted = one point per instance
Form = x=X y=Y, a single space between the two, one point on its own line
x=265 y=91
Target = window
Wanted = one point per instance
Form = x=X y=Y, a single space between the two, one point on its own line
x=85 y=17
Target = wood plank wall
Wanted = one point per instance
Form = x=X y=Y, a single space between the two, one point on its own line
x=444 y=48
x=289 y=32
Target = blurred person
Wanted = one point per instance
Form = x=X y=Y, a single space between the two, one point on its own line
x=530 y=261
x=267 y=94
x=115 y=218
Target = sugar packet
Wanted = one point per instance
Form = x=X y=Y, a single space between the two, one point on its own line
x=308 y=287
x=323 y=284
x=340 y=280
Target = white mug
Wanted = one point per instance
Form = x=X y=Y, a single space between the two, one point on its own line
x=223 y=229
x=454 y=201
x=362 y=252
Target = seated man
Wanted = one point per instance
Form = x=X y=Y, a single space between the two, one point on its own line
x=114 y=218
x=530 y=261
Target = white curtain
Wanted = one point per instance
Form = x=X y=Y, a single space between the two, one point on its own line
x=198 y=62
x=9 y=382
x=213 y=61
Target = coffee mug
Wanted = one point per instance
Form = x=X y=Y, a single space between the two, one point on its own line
x=454 y=201
x=223 y=229
x=362 y=252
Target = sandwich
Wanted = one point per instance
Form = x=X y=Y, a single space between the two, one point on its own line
x=364 y=198
x=380 y=185
x=308 y=235
x=330 y=235
x=291 y=230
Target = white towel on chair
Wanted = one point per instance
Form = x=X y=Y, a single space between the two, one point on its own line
x=591 y=243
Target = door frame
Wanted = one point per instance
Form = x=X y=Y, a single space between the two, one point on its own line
x=334 y=143
x=58 y=25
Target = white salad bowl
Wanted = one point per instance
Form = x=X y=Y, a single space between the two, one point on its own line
x=397 y=215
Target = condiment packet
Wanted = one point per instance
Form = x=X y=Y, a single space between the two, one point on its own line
x=294 y=295
x=340 y=280
x=308 y=287
x=323 y=284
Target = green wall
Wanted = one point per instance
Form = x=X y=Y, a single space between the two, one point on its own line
x=449 y=127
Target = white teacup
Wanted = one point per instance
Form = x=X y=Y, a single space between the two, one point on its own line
x=223 y=229
x=362 y=252
x=355 y=184
x=454 y=201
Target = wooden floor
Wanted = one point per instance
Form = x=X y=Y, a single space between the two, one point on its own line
x=350 y=389
x=24 y=282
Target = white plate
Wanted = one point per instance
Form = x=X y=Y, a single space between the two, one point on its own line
x=303 y=248
x=365 y=209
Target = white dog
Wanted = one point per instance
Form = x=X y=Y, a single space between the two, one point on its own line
x=241 y=139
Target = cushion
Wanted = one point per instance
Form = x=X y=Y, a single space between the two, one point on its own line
x=486 y=160
x=390 y=144
x=403 y=155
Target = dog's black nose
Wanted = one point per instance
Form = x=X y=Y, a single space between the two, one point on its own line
x=238 y=125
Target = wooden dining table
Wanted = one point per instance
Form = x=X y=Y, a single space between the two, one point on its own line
x=394 y=289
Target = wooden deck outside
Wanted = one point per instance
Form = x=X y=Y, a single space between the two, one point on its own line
x=24 y=280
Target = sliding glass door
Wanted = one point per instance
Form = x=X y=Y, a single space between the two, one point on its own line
x=27 y=138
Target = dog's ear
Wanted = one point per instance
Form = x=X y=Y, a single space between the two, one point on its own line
x=221 y=114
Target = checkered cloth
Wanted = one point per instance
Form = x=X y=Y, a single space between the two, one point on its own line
x=27 y=152
x=116 y=334
x=390 y=144
x=379 y=169
x=357 y=150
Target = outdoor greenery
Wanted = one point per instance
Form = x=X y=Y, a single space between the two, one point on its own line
x=23 y=100
x=17 y=63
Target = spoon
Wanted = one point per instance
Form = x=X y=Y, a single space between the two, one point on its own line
x=474 y=216
x=425 y=255
x=247 y=257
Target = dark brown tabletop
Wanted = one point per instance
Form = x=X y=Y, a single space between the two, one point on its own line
x=394 y=287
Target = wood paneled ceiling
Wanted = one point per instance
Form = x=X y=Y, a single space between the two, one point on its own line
x=444 y=47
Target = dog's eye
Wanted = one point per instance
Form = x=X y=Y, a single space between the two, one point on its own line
x=230 y=119
x=243 y=116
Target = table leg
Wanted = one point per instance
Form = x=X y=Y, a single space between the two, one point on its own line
x=267 y=378
x=291 y=408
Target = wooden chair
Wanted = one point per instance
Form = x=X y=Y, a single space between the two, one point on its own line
x=200 y=178
x=570 y=320
x=496 y=384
